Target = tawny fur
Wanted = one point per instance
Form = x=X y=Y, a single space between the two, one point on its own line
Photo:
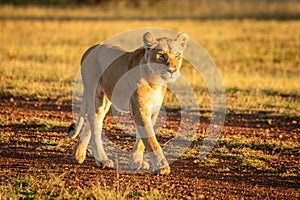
x=102 y=68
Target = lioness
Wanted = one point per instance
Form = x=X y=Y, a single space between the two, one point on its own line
x=156 y=63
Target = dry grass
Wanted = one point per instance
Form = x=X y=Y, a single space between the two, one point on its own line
x=189 y=9
x=258 y=60
x=55 y=186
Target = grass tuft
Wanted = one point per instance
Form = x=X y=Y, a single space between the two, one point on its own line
x=54 y=186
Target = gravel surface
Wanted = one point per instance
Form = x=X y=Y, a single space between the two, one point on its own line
x=26 y=149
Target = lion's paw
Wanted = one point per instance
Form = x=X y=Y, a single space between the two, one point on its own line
x=79 y=153
x=105 y=164
x=162 y=171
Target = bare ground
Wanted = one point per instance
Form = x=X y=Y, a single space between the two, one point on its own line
x=22 y=119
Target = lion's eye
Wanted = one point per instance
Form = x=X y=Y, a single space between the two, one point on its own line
x=161 y=56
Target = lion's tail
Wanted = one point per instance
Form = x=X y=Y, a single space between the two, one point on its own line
x=74 y=130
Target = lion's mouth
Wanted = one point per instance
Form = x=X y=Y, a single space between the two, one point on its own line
x=169 y=77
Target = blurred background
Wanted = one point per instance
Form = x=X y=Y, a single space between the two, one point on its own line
x=158 y=9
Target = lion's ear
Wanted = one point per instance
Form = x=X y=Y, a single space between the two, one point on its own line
x=182 y=39
x=149 y=40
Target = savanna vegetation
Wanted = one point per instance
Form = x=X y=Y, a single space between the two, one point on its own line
x=256 y=46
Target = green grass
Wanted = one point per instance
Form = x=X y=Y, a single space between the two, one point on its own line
x=54 y=144
x=34 y=123
x=246 y=154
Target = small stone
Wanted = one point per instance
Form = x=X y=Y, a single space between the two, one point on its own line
x=196 y=161
x=269 y=121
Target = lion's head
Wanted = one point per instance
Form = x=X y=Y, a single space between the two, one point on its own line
x=164 y=55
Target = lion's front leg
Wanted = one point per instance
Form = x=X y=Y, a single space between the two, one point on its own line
x=159 y=162
x=137 y=161
x=143 y=121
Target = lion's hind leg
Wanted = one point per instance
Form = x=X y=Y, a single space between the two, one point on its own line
x=102 y=105
x=79 y=152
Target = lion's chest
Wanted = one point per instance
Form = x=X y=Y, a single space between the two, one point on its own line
x=126 y=93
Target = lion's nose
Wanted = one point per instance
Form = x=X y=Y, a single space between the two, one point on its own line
x=171 y=71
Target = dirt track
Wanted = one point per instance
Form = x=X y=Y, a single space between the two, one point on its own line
x=187 y=177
